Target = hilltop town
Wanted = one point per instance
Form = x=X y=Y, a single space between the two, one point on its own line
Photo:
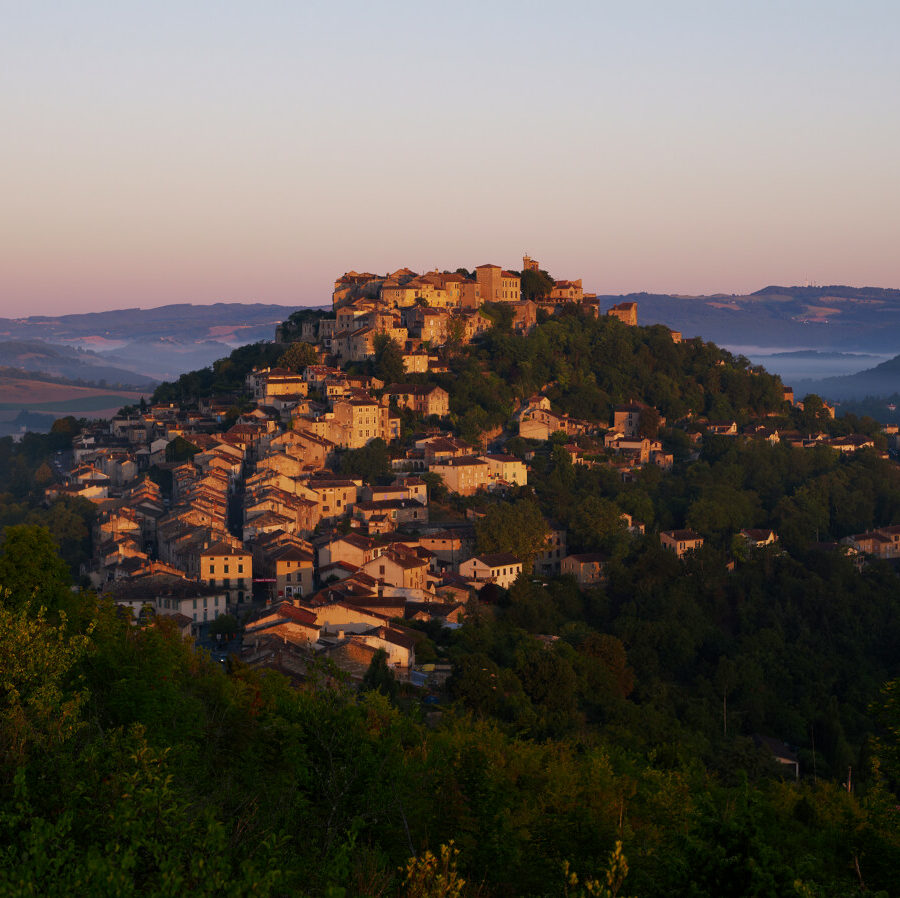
x=423 y=313
x=527 y=520
x=324 y=509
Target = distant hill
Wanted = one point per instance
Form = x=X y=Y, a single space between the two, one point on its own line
x=33 y=402
x=165 y=358
x=882 y=380
x=836 y=317
x=157 y=344
x=231 y=322
x=73 y=364
x=811 y=364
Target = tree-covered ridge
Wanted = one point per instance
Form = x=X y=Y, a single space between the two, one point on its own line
x=586 y=366
x=129 y=764
x=225 y=376
x=806 y=495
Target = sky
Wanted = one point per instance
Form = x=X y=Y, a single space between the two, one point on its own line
x=153 y=153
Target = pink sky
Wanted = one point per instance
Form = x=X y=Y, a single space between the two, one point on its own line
x=169 y=155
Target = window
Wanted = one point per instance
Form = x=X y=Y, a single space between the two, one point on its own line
x=240 y=569
x=195 y=605
x=212 y=570
x=226 y=568
x=288 y=578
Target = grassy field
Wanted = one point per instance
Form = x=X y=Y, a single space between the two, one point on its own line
x=40 y=396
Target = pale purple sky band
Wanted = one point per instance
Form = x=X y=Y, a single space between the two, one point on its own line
x=203 y=152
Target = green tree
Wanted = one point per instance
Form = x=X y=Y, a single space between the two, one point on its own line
x=224 y=624
x=388 y=360
x=298 y=355
x=813 y=416
x=454 y=340
x=44 y=475
x=597 y=524
x=31 y=571
x=63 y=430
x=371 y=462
x=549 y=681
x=180 y=449
x=535 y=285
x=516 y=527
x=437 y=489
x=379 y=677
x=648 y=422
x=40 y=706
x=501 y=314
x=611 y=653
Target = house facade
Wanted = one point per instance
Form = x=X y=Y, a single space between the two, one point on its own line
x=501 y=568
x=680 y=541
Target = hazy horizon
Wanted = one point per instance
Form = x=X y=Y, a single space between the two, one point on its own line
x=326 y=304
x=188 y=153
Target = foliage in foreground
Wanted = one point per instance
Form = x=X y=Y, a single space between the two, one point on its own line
x=133 y=765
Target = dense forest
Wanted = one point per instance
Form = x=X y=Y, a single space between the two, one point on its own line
x=594 y=364
x=598 y=741
x=131 y=764
x=26 y=469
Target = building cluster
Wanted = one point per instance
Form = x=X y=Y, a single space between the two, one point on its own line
x=248 y=517
x=424 y=312
x=199 y=516
x=239 y=506
x=794 y=438
x=883 y=543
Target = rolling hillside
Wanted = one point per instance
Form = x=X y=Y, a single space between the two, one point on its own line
x=34 y=404
x=863 y=319
x=882 y=380
x=64 y=361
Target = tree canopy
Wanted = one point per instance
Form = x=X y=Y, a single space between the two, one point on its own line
x=388 y=360
x=298 y=355
x=516 y=527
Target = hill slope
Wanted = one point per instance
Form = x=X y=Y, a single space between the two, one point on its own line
x=835 y=317
x=63 y=361
x=157 y=344
x=226 y=322
x=882 y=380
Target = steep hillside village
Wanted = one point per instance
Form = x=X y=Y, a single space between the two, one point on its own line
x=425 y=312
x=204 y=511
x=520 y=550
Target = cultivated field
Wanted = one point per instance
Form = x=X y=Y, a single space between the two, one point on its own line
x=39 y=396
